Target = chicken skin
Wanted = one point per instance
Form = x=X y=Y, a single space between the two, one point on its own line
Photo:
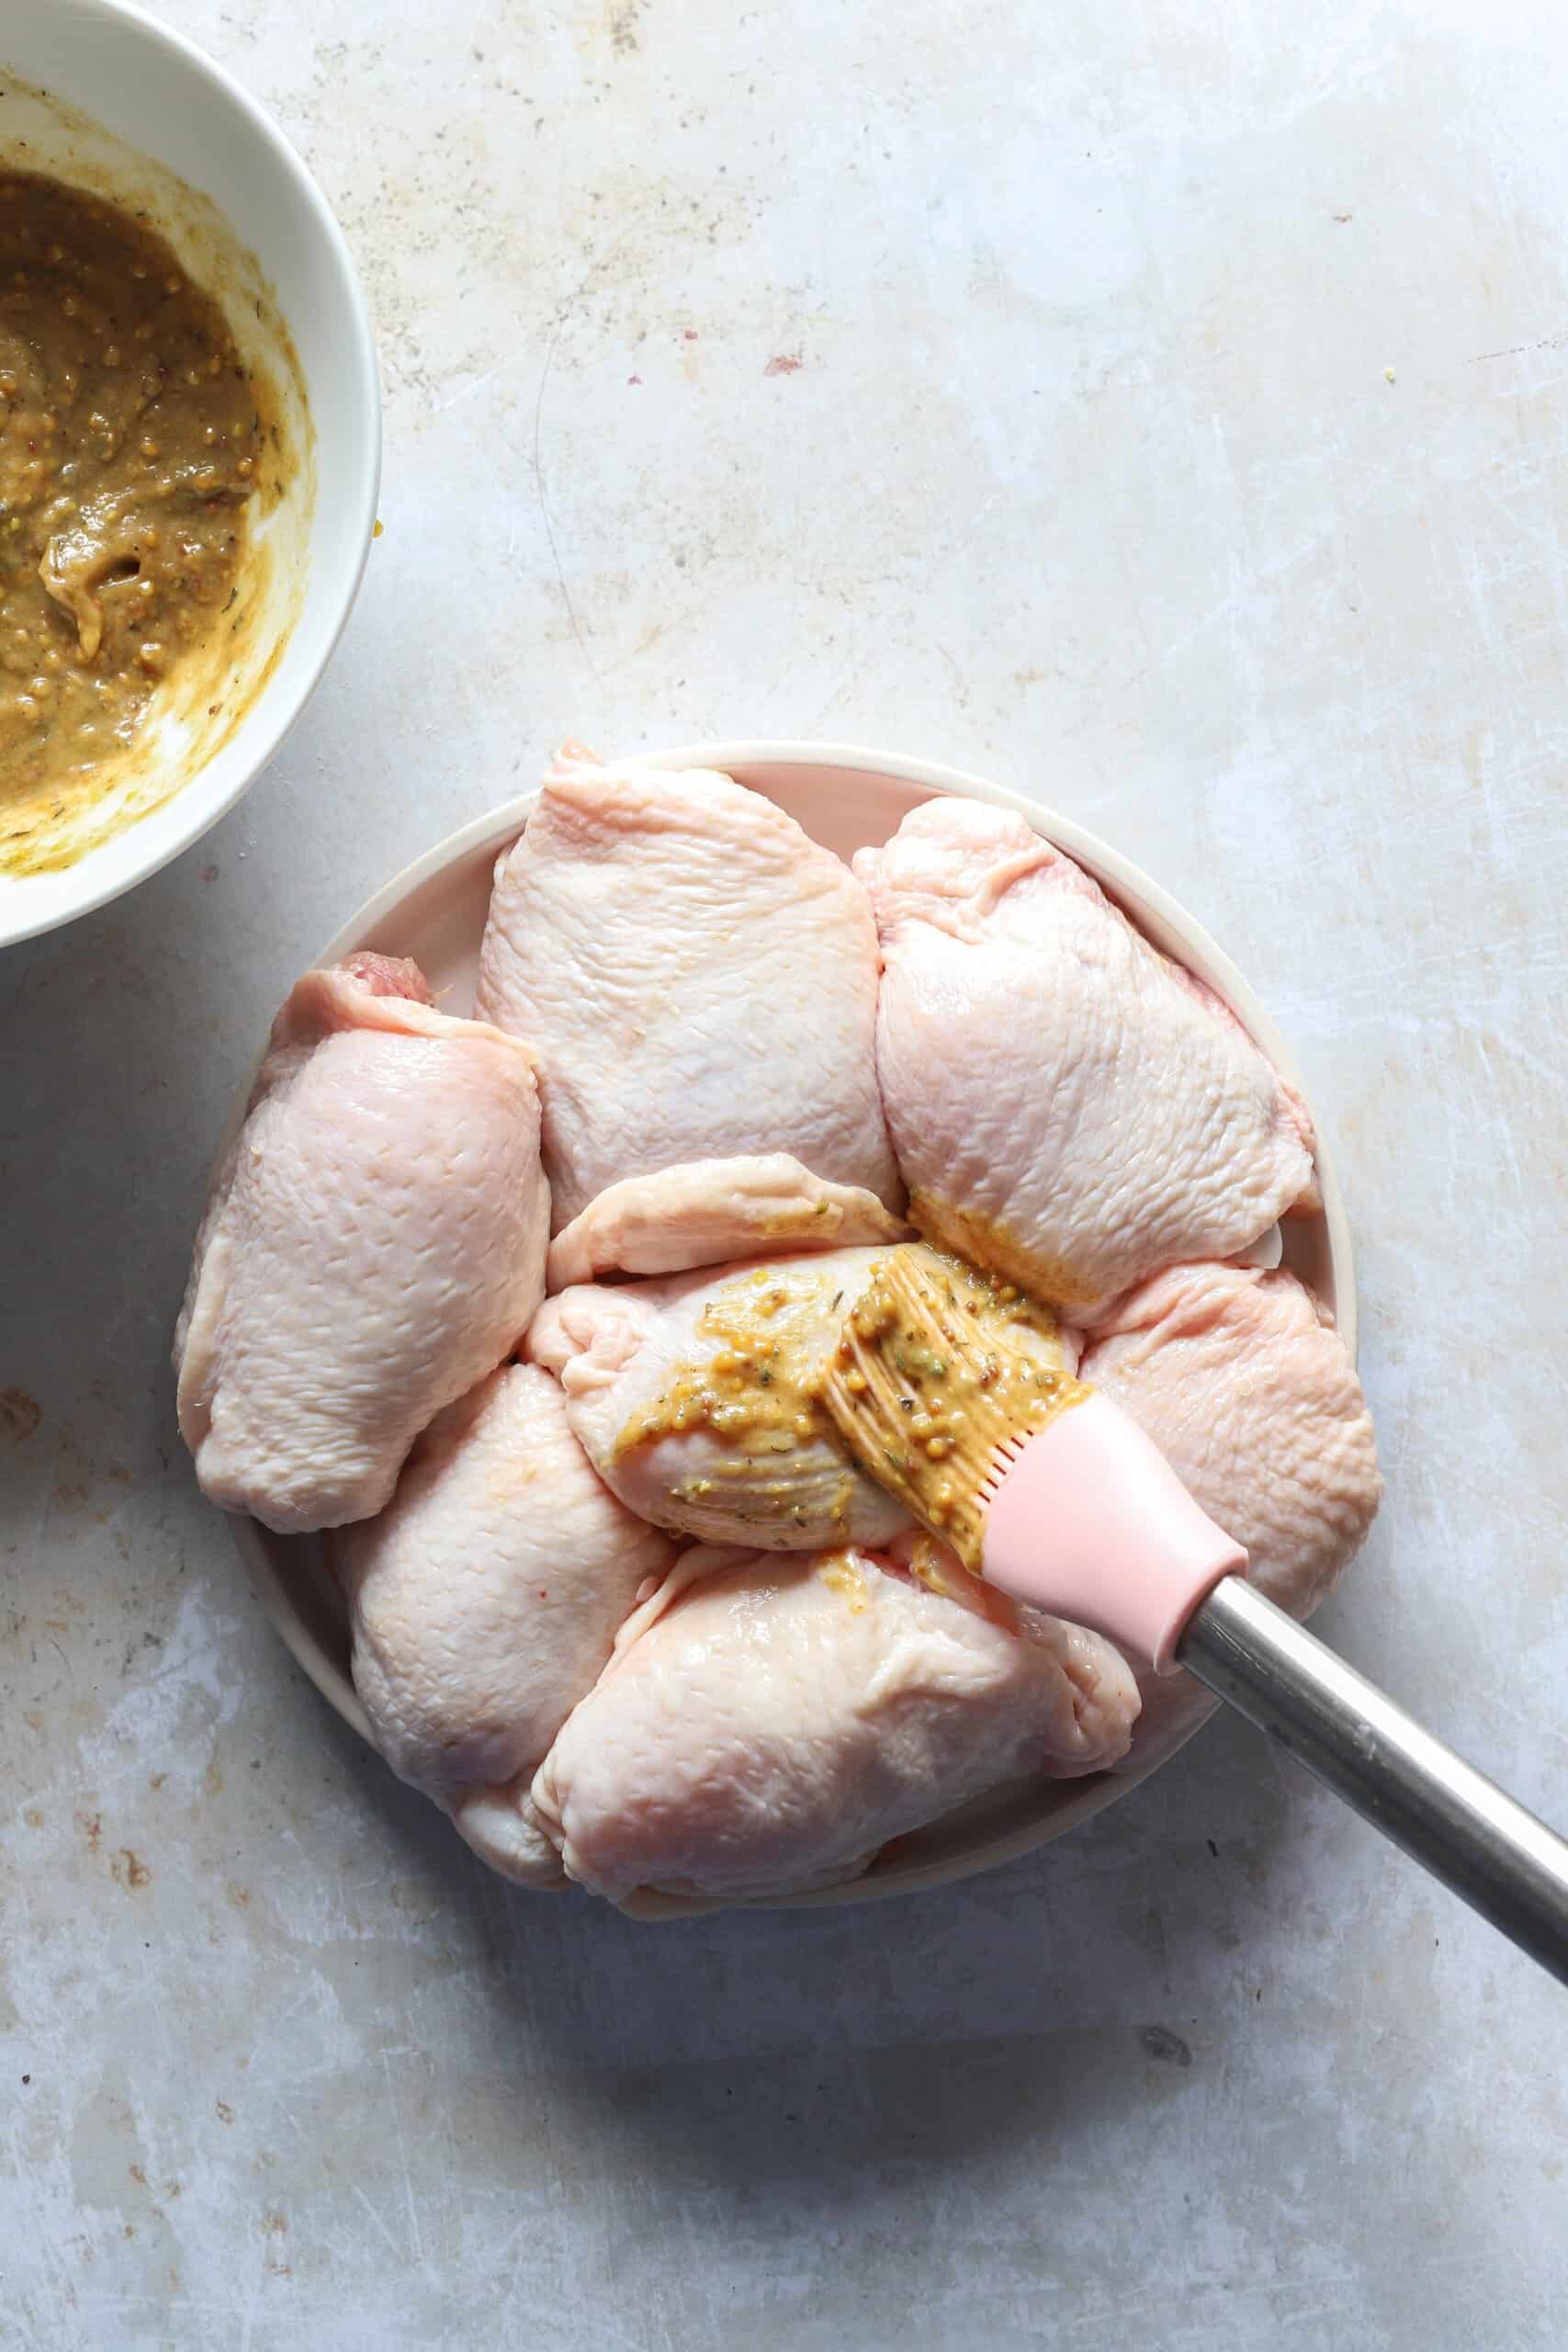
x=1068 y=1106
x=484 y=1603
x=697 y=976
x=374 y=1244
x=711 y=1211
x=768 y=1722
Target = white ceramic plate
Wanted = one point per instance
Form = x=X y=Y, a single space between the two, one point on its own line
x=845 y=797
x=101 y=95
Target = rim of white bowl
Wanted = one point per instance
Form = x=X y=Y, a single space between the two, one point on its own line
x=500 y=824
x=363 y=497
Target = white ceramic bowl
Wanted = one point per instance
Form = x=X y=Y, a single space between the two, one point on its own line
x=100 y=95
x=846 y=797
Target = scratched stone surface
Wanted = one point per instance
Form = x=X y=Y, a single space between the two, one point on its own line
x=1158 y=408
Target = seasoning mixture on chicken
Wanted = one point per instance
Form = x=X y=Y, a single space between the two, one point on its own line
x=696 y=1399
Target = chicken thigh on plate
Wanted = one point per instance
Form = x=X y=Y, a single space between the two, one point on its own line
x=698 y=977
x=697 y=1399
x=694 y=1400
x=374 y=1244
x=712 y=1210
x=1068 y=1106
x=768 y=1723
x=1244 y=1384
x=484 y=1603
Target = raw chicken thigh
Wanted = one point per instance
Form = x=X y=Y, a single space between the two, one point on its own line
x=1248 y=1389
x=1068 y=1105
x=484 y=1603
x=374 y=1244
x=698 y=977
x=768 y=1724
x=711 y=1211
x=694 y=1397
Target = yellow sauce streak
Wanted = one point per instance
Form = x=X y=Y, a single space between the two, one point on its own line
x=755 y=1389
x=969 y=1234
x=841 y=1573
x=801 y=1216
x=930 y=1565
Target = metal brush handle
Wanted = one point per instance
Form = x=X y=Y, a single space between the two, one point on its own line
x=1502 y=1860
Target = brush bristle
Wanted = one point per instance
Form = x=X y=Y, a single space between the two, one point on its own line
x=940 y=1379
x=1001 y=1462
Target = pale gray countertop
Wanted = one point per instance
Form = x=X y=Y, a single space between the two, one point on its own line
x=1178 y=433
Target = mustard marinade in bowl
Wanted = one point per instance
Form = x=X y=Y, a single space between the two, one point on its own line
x=133 y=442
x=189 y=449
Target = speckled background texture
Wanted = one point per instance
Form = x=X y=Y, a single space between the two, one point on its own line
x=1159 y=408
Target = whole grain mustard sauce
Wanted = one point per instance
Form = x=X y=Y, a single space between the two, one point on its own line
x=130 y=440
x=937 y=1367
x=753 y=1386
x=942 y=1369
